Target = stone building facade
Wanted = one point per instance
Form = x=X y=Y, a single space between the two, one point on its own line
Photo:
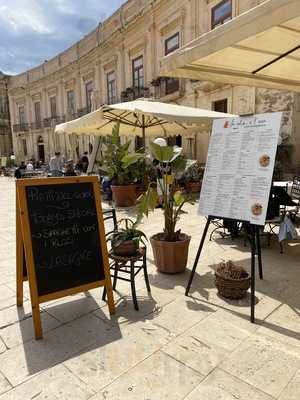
x=6 y=148
x=119 y=61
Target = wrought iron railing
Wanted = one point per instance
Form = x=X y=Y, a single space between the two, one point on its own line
x=133 y=93
x=24 y=127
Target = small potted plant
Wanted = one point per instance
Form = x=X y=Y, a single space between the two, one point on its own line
x=120 y=167
x=193 y=177
x=170 y=246
x=127 y=239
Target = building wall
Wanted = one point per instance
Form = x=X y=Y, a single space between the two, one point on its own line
x=6 y=148
x=138 y=28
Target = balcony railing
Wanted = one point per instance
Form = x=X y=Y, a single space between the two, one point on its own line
x=36 y=125
x=24 y=127
x=133 y=93
x=164 y=86
x=52 y=121
x=4 y=115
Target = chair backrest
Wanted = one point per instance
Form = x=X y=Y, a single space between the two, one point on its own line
x=110 y=214
x=295 y=191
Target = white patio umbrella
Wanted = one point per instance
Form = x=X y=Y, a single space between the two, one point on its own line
x=141 y=118
x=138 y=118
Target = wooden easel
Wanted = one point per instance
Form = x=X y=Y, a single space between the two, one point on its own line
x=24 y=243
x=255 y=251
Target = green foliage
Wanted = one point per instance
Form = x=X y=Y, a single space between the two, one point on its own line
x=172 y=201
x=194 y=173
x=117 y=163
x=129 y=231
x=160 y=153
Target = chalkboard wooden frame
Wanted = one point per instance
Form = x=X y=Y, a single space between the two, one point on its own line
x=24 y=242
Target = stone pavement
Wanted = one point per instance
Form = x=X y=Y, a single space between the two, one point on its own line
x=200 y=347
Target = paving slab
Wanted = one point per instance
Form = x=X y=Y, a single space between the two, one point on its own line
x=292 y=390
x=22 y=362
x=283 y=324
x=23 y=331
x=5 y=386
x=11 y=315
x=56 y=383
x=220 y=385
x=156 y=378
x=3 y=348
x=72 y=307
x=99 y=367
x=149 y=303
x=265 y=363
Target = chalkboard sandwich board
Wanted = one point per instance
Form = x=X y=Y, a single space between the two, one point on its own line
x=62 y=232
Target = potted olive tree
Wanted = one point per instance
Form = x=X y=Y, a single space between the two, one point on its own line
x=120 y=166
x=170 y=246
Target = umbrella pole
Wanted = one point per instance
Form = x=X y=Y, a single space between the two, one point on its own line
x=143 y=131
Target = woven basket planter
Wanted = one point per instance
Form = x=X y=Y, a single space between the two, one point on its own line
x=232 y=288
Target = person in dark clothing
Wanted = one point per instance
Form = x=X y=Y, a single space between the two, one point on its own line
x=19 y=171
x=85 y=162
x=278 y=197
x=69 y=169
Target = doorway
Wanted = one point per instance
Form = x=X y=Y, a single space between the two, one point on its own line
x=41 y=149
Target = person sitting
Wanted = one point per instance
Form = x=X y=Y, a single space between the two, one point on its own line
x=55 y=164
x=20 y=170
x=78 y=167
x=69 y=169
x=29 y=166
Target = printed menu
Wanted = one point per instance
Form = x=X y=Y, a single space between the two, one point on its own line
x=239 y=167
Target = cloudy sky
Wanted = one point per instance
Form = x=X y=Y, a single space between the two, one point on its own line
x=32 y=31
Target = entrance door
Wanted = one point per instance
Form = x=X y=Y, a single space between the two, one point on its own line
x=41 y=152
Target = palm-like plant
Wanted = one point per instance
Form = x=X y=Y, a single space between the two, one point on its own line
x=172 y=201
x=118 y=163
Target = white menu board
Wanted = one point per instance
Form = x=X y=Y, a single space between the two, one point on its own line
x=239 y=167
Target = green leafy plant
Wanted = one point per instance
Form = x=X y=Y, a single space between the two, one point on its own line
x=126 y=232
x=194 y=173
x=117 y=162
x=172 y=201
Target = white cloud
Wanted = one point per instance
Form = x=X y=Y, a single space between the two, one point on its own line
x=34 y=30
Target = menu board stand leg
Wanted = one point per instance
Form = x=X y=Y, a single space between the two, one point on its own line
x=258 y=247
x=255 y=250
x=19 y=255
x=198 y=255
x=37 y=320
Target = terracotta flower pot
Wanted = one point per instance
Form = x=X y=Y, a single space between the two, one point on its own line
x=170 y=257
x=125 y=249
x=194 y=187
x=124 y=196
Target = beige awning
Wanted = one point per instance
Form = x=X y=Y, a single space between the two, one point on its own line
x=142 y=117
x=258 y=48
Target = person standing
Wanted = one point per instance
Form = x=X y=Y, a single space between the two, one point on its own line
x=85 y=162
x=56 y=165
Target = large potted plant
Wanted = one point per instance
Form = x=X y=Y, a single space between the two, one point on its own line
x=170 y=246
x=120 y=167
